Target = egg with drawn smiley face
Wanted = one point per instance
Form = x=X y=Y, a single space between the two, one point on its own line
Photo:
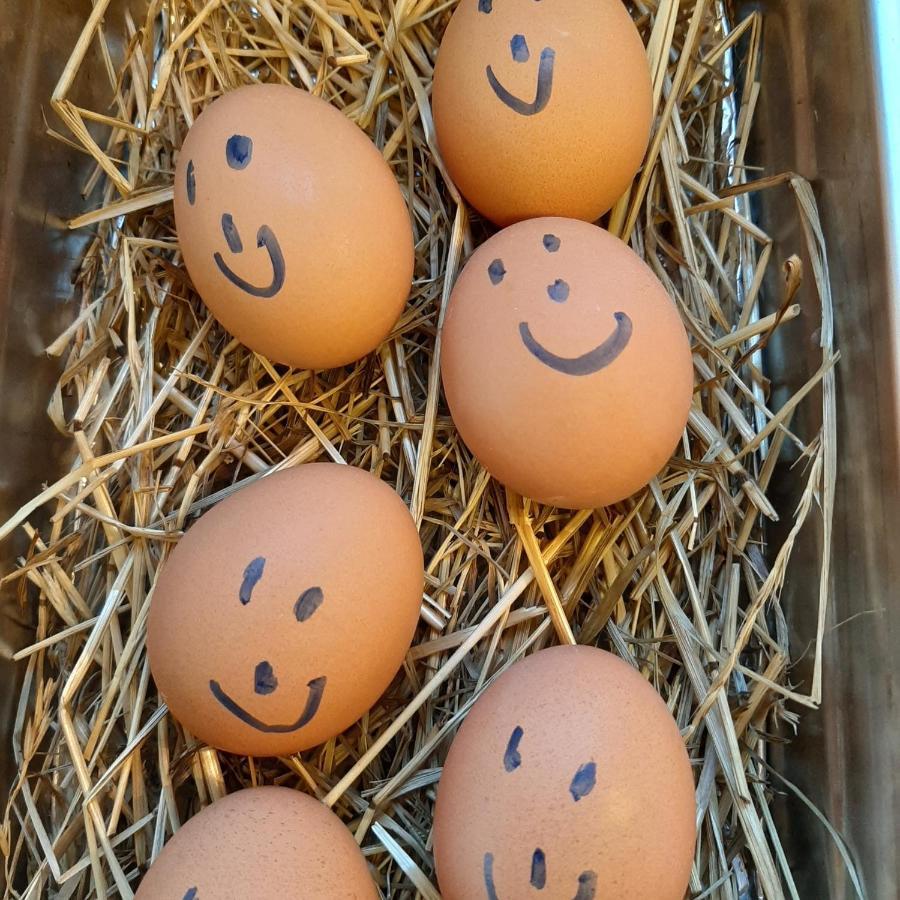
x=285 y=611
x=565 y=364
x=260 y=843
x=568 y=779
x=292 y=226
x=542 y=107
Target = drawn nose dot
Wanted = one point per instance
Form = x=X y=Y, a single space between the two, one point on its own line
x=264 y=680
x=538 y=869
x=232 y=236
x=519 y=48
x=558 y=292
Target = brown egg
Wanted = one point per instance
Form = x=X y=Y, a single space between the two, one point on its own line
x=292 y=226
x=268 y=843
x=284 y=613
x=542 y=108
x=568 y=776
x=565 y=364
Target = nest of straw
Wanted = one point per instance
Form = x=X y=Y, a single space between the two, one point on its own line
x=168 y=414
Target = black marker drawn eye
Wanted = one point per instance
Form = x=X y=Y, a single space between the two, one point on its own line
x=252 y=574
x=551 y=243
x=512 y=759
x=584 y=781
x=485 y=5
x=191 y=179
x=190 y=894
x=309 y=601
x=239 y=151
x=496 y=271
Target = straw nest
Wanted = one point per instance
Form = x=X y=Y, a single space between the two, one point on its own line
x=168 y=414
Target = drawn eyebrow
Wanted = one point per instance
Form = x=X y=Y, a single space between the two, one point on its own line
x=252 y=574
x=512 y=759
x=307 y=603
x=584 y=781
x=190 y=894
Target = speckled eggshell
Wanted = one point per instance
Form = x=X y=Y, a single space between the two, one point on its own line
x=542 y=108
x=565 y=364
x=568 y=775
x=283 y=613
x=268 y=843
x=292 y=226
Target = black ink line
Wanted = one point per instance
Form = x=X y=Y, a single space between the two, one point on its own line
x=309 y=601
x=542 y=93
x=264 y=238
x=538 y=869
x=239 y=151
x=233 y=238
x=584 y=781
x=588 y=363
x=191 y=894
x=587 y=886
x=518 y=47
x=313 y=699
x=252 y=574
x=551 y=243
x=264 y=680
x=512 y=759
x=191 y=183
x=489 y=877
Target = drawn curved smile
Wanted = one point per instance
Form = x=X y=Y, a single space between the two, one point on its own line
x=313 y=699
x=588 y=363
x=265 y=239
x=587 y=880
x=542 y=91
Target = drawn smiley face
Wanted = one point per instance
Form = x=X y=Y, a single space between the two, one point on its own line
x=568 y=780
x=540 y=107
x=582 y=784
x=565 y=364
x=263 y=185
x=285 y=611
x=238 y=154
x=520 y=53
x=265 y=681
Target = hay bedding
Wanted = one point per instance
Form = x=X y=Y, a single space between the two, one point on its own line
x=167 y=415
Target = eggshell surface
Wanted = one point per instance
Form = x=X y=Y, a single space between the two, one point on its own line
x=568 y=777
x=292 y=226
x=542 y=108
x=285 y=611
x=565 y=365
x=268 y=843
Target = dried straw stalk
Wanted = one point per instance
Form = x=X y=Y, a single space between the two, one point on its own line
x=168 y=415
